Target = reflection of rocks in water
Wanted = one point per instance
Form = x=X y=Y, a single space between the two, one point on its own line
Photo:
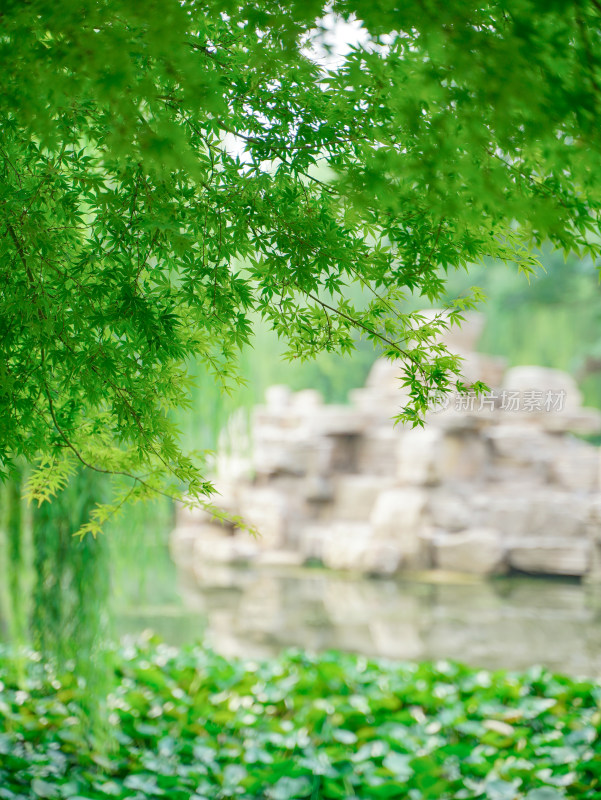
x=506 y=623
x=532 y=622
x=375 y=612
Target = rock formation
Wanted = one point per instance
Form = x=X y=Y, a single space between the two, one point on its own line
x=490 y=484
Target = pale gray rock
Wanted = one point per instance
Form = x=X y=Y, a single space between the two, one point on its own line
x=346 y=545
x=428 y=456
x=551 y=556
x=378 y=405
x=212 y=544
x=543 y=379
x=265 y=509
x=576 y=466
x=451 y=417
x=279 y=558
x=594 y=536
x=594 y=518
x=383 y=558
x=398 y=518
x=343 y=485
x=311 y=540
x=353 y=546
x=318 y=489
x=419 y=452
x=462 y=458
x=521 y=444
x=519 y=509
x=338 y=420
x=478 y=550
x=355 y=496
x=277 y=398
x=344 y=453
x=558 y=514
x=584 y=421
x=272 y=456
x=449 y=509
x=293 y=454
x=377 y=453
x=306 y=401
x=503 y=509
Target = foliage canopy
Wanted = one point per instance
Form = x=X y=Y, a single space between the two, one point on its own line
x=172 y=169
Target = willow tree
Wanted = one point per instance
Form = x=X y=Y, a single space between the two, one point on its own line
x=173 y=169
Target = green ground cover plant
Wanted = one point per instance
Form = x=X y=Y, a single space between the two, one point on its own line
x=190 y=724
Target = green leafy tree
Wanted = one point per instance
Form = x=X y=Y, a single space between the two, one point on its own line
x=172 y=169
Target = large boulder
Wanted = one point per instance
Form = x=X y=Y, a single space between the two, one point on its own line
x=398 y=520
x=502 y=508
x=478 y=550
x=377 y=453
x=345 y=545
x=594 y=536
x=551 y=556
x=576 y=466
x=338 y=420
x=542 y=389
x=520 y=452
x=521 y=509
x=317 y=489
x=213 y=545
x=584 y=421
x=353 y=546
x=418 y=454
x=594 y=519
x=548 y=398
x=264 y=509
x=311 y=539
x=277 y=398
x=450 y=510
x=278 y=451
x=521 y=445
x=356 y=495
x=429 y=455
x=306 y=402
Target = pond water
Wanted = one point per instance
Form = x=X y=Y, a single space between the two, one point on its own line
x=512 y=622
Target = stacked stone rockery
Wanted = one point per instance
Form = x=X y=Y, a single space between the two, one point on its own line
x=489 y=484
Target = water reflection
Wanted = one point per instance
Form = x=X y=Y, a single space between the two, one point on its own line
x=506 y=623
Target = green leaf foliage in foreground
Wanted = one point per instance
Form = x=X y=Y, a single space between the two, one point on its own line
x=190 y=724
x=171 y=171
